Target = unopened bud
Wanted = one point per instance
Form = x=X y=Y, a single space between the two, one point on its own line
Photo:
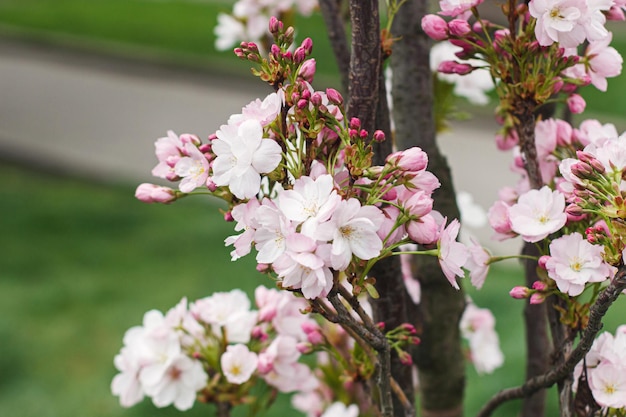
x=333 y=96
x=519 y=292
x=537 y=298
x=405 y=358
x=574 y=210
x=151 y=193
x=307 y=70
x=299 y=55
x=228 y=216
x=262 y=267
x=302 y=103
x=435 y=27
x=316 y=99
x=307 y=45
x=576 y=103
x=541 y=263
x=459 y=27
x=539 y=286
x=355 y=123
x=379 y=136
x=275 y=25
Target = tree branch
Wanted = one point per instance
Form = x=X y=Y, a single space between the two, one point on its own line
x=596 y=313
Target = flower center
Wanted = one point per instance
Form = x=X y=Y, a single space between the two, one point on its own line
x=609 y=389
x=576 y=265
x=346 y=231
x=174 y=373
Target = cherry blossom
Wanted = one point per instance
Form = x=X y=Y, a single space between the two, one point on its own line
x=352 y=230
x=338 y=409
x=192 y=168
x=478 y=327
x=538 y=213
x=310 y=202
x=452 y=254
x=574 y=262
x=242 y=155
x=603 y=62
x=238 y=363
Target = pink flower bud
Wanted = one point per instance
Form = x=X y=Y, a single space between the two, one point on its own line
x=307 y=70
x=459 y=27
x=519 y=292
x=405 y=358
x=379 y=136
x=435 y=27
x=307 y=45
x=275 y=25
x=262 y=268
x=302 y=103
x=304 y=348
x=275 y=51
x=543 y=260
x=210 y=184
x=558 y=84
x=363 y=134
x=453 y=67
x=576 y=103
x=316 y=99
x=239 y=53
x=409 y=328
x=355 y=123
x=333 y=96
x=299 y=55
x=315 y=338
x=228 y=216
x=615 y=13
x=151 y=193
x=306 y=94
x=539 y=286
x=537 y=298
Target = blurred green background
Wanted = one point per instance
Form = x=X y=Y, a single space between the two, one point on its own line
x=82 y=261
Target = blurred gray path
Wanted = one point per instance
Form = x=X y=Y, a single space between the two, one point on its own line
x=99 y=117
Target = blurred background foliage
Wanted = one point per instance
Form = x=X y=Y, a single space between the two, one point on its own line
x=81 y=262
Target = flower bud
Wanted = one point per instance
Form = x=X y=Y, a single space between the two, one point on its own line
x=307 y=70
x=405 y=357
x=307 y=46
x=576 y=103
x=262 y=268
x=539 y=286
x=151 y=193
x=316 y=99
x=302 y=103
x=537 y=298
x=519 y=292
x=459 y=27
x=542 y=261
x=275 y=25
x=435 y=27
x=299 y=55
x=333 y=96
x=453 y=67
x=228 y=216
x=379 y=136
x=355 y=123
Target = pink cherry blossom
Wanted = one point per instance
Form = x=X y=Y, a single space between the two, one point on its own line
x=244 y=215
x=229 y=311
x=538 y=213
x=265 y=112
x=608 y=385
x=303 y=266
x=452 y=254
x=478 y=328
x=193 y=169
x=558 y=21
x=352 y=230
x=574 y=262
x=310 y=202
x=457 y=7
x=174 y=381
x=603 y=62
x=238 y=363
x=169 y=150
x=477 y=264
x=271 y=235
x=242 y=154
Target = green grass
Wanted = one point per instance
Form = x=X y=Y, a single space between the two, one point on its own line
x=174 y=30
x=82 y=263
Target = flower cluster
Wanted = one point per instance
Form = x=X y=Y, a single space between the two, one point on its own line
x=217 y=348
x=550 y=28
x=604 y=370
x=478 y=328
x=301 y=187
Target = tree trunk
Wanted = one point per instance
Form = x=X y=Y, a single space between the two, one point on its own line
x=439 y=357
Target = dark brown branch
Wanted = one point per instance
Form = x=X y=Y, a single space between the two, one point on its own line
x=331 y=12
x=364 y=62
x=596 y=313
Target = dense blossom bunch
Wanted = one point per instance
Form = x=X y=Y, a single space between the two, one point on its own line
x=302 y=192
x=604 y=370
x=551 y=28
x=217 y=348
